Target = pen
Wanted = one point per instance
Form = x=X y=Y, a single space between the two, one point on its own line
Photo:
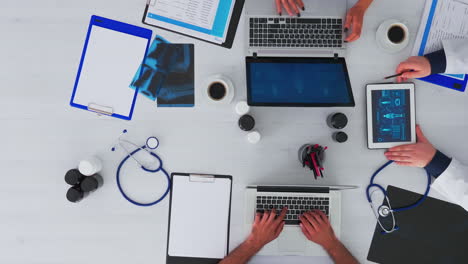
x=396 y=75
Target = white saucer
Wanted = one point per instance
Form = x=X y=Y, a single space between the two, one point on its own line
x=382 y=39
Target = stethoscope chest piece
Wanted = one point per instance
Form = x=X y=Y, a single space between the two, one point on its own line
x=384 y=211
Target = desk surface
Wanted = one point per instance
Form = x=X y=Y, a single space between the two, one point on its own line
x=42 y=137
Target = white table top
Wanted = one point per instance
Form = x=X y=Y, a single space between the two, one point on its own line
x=43 y=137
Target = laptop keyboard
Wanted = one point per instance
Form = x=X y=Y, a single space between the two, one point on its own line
x=296 y=206
x=296 y=32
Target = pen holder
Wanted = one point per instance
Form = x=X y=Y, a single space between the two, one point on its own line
x=312 y=156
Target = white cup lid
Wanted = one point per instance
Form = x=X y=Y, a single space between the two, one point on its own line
x=242 y=108
x=254 y=137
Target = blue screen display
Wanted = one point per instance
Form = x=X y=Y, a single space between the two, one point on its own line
x=306 y=82
x=391 y=115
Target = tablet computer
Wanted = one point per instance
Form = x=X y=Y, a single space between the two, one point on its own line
x=391 y=114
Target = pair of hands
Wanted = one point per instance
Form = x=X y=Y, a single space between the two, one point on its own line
x=354 y=17
x=314 y=224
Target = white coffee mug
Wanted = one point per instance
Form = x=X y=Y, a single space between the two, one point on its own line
x=383 y=36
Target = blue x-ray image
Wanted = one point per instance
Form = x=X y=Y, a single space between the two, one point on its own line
x=167 y=74
x=391 y=116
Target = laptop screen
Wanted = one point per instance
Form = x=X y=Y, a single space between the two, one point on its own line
x=298 y=82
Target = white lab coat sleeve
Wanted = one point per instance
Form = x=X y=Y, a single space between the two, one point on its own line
x=456 y=54
x=453 y=183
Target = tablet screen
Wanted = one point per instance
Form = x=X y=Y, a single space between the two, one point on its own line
x=391 y=115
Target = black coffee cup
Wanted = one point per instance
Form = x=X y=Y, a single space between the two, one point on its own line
x=217 y=91
x=396 y=34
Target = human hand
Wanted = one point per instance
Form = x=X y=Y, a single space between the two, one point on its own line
x=316 y=228
x=414 y=67
x=266 y=228
x=416 y=155
x=291 y=7
x=355 y=20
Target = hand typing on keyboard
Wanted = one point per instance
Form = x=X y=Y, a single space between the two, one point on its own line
x=355 y=19
x=267 y=227
x=316 y=227
x=291 y=6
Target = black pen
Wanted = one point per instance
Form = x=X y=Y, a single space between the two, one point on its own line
x=396 y=75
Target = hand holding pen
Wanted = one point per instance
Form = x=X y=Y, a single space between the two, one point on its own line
x=413 y=67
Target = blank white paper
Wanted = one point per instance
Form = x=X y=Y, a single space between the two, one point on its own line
x=111 y=60
x=199 y=218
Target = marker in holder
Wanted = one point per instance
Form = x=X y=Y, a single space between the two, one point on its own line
x=312 y=157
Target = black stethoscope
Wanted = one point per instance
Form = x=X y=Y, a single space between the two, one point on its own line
x=151 y=144
x=387 y=210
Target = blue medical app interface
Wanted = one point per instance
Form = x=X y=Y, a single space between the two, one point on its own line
x=298 y=83
x=391 y=115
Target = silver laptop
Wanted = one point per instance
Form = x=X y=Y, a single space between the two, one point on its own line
x=318 y=32
x=298 y=199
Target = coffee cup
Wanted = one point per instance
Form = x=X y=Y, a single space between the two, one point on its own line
x=396 y=33
x=219 y=89
x=392 y=36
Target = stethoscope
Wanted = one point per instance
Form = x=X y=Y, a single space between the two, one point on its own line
x=387 y=210
x=151 y=144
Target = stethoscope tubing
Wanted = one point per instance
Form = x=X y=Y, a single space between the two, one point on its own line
x=119 y=185
x=393 y=210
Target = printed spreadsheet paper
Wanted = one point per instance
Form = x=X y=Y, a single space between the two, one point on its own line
x=204 y=19
x=108 y=68
x=199 y=218
x=449 y=21
x=199 y=13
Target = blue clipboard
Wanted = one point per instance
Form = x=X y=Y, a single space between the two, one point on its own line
x=112 y=51
x=455 y=82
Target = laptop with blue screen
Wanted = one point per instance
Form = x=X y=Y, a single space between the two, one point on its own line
x=297 y=61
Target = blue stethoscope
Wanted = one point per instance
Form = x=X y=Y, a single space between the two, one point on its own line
x=151 y=144
x=386 y=210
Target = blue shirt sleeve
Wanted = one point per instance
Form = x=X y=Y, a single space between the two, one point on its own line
x=438 y=61
x=438 y=164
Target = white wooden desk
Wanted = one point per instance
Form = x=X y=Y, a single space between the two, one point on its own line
x=42 y=137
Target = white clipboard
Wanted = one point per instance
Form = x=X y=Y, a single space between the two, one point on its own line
x=112 y=52
x=199 y=218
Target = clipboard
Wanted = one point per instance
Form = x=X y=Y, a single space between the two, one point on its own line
x=204 y=237
x=431 y=233
x=111 y=53
x=229 y=31
x=455 y=82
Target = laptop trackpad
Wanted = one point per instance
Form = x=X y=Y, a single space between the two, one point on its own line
x=292 y=240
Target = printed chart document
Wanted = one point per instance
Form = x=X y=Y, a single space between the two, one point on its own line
x=449 y=20
x=199 y=13
x=204 y=19
x=441 y=20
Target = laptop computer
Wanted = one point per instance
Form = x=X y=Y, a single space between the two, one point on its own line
x=298 y=199
x=297 y=61
x=317 y=33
